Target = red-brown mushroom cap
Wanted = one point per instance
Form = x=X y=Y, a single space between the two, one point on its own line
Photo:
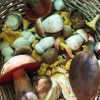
x=39 y=11
x=25 y=62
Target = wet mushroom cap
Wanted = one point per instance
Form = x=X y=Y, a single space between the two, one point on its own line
x=15 y=63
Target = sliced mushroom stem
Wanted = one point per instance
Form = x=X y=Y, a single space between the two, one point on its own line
x=22 y=84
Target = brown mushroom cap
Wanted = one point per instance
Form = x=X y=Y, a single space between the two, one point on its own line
x=15 y=63
x=39 y=11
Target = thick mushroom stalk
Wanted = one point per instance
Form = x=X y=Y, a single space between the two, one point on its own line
x=23 y=86
x=15 y=69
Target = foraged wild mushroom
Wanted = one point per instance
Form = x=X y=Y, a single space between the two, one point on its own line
x=29 y=36
x=42 y=86
x=6 y=51
x=44 y=44
x=75 y=41
x=37 y=8
x=39 y=28
x=58 y=5
x=84 y=75
x=13 y=20
x=23 y=50
x=15 y=69
x=21 y=42
x=50 y=56
x=53 y=24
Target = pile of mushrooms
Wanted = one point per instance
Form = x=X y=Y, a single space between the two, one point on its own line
x=61 y=46
x=15 y=69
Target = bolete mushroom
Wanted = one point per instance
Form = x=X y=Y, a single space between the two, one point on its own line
x=84 y=75
x=37 y=8
x=14 y=69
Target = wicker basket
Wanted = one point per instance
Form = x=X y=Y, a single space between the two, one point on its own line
x=90 y=8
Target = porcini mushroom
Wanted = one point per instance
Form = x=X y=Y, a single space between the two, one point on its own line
x=84 y=75
x=14 y=69
x=37 y=8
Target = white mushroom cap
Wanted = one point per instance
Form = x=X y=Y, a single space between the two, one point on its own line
x=58 y=4
x=75 y=41
x=44 y=44
x=53 y=24
x=21 y=42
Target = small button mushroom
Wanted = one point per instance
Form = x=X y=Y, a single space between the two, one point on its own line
x=23 y=50
x=42 y=86
x=21 y=42
x=15 y=69
x=29 y=36
x=50 y=56
x=44 y=44
x=26 y=34
x=53 y=24
x=75 y=41
x=6 y=51
x=13 y=20
x=84 y=75
x=58 y=5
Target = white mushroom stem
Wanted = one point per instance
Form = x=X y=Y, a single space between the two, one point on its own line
x=39 y=28
x=23 y=85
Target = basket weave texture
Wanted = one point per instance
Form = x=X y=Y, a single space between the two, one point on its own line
x=90 y=8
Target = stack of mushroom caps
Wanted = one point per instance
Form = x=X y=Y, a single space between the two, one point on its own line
x=14 y=69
